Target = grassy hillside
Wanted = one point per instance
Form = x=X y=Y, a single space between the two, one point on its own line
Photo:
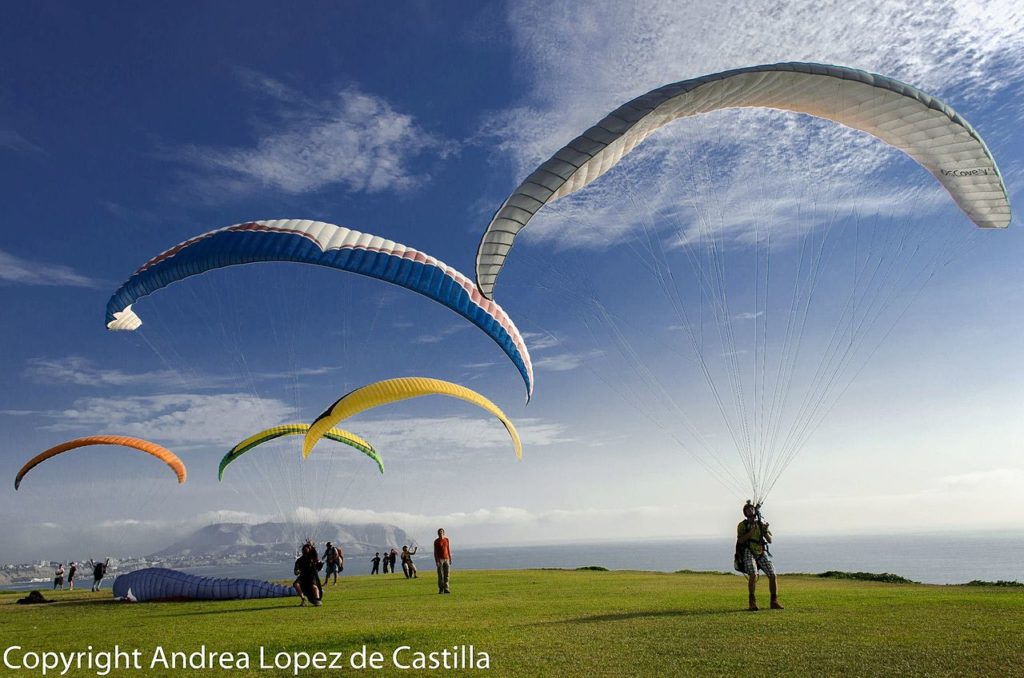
x=564 y=623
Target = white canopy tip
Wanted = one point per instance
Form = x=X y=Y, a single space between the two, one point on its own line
x=125 y=320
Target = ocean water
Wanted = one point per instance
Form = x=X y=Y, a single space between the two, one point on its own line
x=926 y=558
x=932 y=559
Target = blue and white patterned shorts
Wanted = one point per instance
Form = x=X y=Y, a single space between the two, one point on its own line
x=762 y=561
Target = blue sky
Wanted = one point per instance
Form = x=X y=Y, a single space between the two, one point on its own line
x=126 y=129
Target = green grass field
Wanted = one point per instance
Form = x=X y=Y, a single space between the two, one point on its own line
x=563 y=623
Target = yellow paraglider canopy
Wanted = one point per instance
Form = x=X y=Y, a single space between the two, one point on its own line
x=394 y=390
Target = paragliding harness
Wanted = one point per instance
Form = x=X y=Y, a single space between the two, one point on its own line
x=738 y=558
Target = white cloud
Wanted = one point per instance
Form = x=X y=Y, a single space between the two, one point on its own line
x=183 y=419
x=353 y=139
x=632 y=48
x=444 y=436
x=25 y=272
x=498 y=524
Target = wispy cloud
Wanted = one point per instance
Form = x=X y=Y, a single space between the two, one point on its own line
x=785 y=206
x=446 y=436
x=440 y=335
x=479 y=366
x=539 y=341
x=84 y=372
x=81 y=371
x=299 y=372
x=183 y=419
x=268 y=86
x=189 y=419
x=13 y=141
x=563 y=362
x=354 y=140
x=26 y=272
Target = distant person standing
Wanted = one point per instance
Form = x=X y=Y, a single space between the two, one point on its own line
x=99 y=571
x=408 y=566
x=392 y=559
x=376 y=563
x=72 y=571
x=443 y=560
x=752 y=539
x=58 y=578
x=335 y=561
x=386 y=559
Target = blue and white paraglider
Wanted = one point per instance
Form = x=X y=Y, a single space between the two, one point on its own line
x=159 y=583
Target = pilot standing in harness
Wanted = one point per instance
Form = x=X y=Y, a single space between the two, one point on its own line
x=752 y=539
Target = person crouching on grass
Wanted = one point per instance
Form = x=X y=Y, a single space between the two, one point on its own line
x=307 y=575
x=752 y=539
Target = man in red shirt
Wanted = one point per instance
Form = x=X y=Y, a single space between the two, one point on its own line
x=443 y=560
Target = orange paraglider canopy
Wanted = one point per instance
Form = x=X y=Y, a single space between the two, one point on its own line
x=157 y=451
